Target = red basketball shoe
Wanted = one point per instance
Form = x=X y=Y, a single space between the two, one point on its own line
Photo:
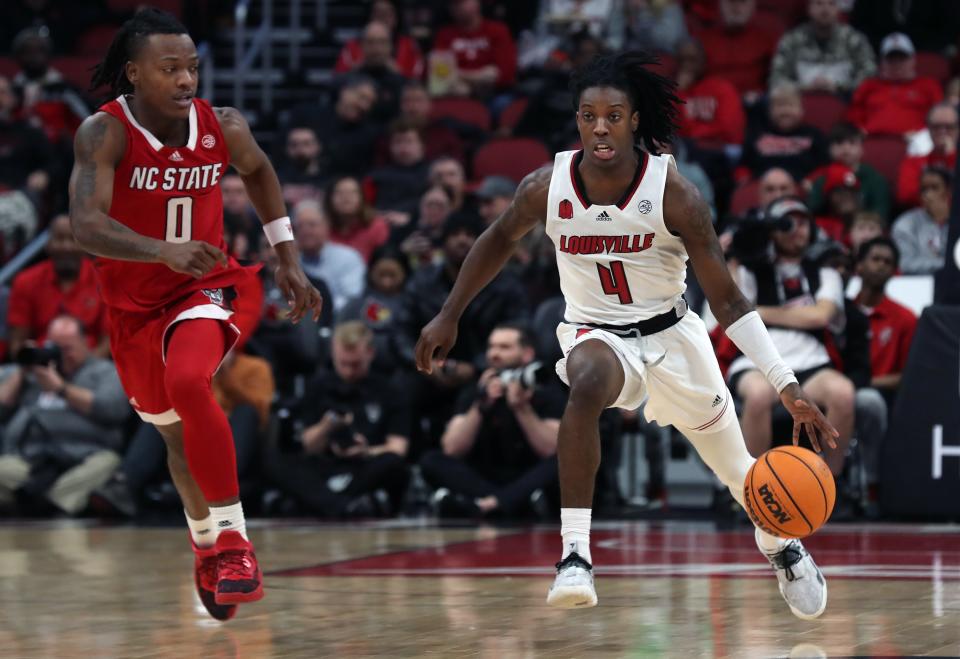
x=205 y=577
x=238 y=575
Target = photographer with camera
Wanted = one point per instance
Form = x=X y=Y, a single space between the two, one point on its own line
x=354 y=438
x=798 y=301
x=499 y=451
x=68 y=411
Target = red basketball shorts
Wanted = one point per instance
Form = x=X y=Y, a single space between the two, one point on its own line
x=138 y=341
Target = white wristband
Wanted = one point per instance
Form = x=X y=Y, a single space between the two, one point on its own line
x=278 y=231
x=751 y=336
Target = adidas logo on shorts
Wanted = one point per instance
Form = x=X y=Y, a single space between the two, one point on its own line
x=717 y=400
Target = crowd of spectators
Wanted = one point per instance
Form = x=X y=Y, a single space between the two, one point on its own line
x=834 y=122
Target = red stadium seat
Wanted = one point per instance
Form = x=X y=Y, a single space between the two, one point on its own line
x=466 y=110
x=667 y=66
x=933 y=65
x=512 y=113
x=8 y=67
x=885 y=152
x=745 y=197
x=76 y=70
x=823 y=110
x=96 y=40
x=791 y=12
x=513 y=157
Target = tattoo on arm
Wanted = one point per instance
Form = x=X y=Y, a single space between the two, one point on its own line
x=692 y=220
x=529 y=204
x=95 y=231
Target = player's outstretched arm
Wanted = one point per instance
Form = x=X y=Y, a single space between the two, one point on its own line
x=486 y=258
x=687 y=215
x=98 y=146
x=263 y=188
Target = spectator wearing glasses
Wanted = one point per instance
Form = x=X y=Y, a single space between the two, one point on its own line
x=944 y=128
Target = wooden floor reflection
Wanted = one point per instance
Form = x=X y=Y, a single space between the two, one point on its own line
x=70 y=590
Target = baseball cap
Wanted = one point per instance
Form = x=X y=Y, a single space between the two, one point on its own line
x=839 y=176
x=778 y=214
x=896 y=42
x=496 y=186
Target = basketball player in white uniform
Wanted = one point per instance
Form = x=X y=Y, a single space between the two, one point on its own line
x=624 y=222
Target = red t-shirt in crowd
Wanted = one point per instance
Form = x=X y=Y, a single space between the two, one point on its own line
x=741 y=56
x=491 y=43
x=36 y=299
x=363 y=239
x=712 y=112
x=890 y=107
x=406 y=55
x=834 y=228
x=908 y=178
x=891 y=331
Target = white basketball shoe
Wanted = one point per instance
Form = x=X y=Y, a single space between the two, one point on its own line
x=573 y=587
x=801 y=581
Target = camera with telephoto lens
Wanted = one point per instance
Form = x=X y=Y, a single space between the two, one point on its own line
x=39 y=355
x=342 y=434
x=751 y=236
x=529 y=376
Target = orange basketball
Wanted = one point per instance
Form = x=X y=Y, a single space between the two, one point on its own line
x=789 y=492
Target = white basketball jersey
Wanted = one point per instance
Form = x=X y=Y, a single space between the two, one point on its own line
x=618 y=264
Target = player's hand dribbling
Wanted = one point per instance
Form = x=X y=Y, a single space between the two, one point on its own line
x=436 y=339
x=300 y=294
x=194 y=257
x=807 y=415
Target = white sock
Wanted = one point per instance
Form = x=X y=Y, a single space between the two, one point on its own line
x=201 y=530
x=575 y=530
x=769 y=544
x=229 y=518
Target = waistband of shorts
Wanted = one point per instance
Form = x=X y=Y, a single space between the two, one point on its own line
x=648 y=326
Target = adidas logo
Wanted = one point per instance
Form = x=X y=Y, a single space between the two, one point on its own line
x=224 y=523
x=176 y=157
x=717 y=400
x=604 y=217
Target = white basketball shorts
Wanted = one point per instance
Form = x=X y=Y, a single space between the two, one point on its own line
x=675 y=372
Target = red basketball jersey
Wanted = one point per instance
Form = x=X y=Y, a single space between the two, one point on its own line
x=168 y=193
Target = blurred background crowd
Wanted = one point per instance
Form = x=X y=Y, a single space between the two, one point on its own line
x=822 y=133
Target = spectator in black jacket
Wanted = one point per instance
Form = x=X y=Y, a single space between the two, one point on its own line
x=784 y=140
x=346 y=132
x=356 y=428
x=499 y=450
x=850 y=350
x=398 y=185
x=502 y=300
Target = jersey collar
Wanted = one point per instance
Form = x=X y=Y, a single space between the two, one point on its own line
x=150 y=137
x=581 y=190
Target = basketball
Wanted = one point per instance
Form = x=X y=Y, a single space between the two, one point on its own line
x=789 y=492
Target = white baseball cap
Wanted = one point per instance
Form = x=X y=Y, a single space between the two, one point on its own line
x=897 y=42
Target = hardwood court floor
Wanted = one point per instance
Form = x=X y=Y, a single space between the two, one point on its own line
x=411 y=590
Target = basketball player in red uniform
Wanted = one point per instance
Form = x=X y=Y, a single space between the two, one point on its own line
x=145 y=199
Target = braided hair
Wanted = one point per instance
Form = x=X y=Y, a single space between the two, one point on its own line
x=127 y=43
x=650 y=94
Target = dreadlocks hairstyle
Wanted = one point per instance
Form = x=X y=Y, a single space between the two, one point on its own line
x=650 y=94
x=127 y=43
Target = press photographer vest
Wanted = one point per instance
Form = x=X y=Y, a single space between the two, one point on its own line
x=773 y=293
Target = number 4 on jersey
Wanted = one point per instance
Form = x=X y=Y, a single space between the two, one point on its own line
x=614 y=281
